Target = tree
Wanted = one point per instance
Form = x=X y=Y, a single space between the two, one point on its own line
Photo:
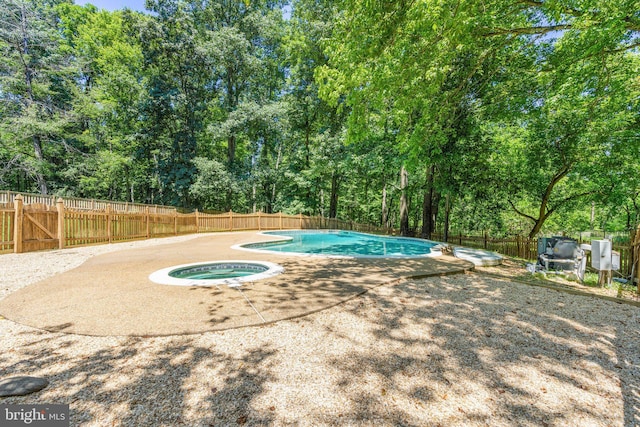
x=412 y=68
x=37 y=92
x=241 y=42
x=111 y=81
x=314 y=123
x=431 y=64
x=178 y=92
x=566 y=133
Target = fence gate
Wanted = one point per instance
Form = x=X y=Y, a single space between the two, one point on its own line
x=39 y=228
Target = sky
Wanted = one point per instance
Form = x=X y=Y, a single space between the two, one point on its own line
x=115 y=4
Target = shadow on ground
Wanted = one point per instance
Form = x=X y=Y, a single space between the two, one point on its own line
x=459 y=350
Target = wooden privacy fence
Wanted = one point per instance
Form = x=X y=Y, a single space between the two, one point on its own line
x=38 y=226
x=26 y=228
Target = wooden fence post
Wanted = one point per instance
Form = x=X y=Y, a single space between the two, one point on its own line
x=280 y=220
x=109 y=222
x=300 y=220
x=175 y=223
x=18 y=217
x=230 y=220
x=197 y=221
x=259 y=222
x=61 y=231
x=148 y=221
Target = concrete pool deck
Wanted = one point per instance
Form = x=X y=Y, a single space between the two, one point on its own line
x=111 y=295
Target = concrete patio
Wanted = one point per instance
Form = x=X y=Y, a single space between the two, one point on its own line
x=111 y=294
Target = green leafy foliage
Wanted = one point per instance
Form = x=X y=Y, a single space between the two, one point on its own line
x=507 y=116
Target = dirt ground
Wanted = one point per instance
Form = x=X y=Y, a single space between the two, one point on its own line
x=515 y=269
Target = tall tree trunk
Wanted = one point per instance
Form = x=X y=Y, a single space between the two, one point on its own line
x=537 y=227
x=231 y=151
x=307 y=143
x=435 y=208
x=231 y=155
x=277 y=168
x=447 y=212
x=28 y=79
x=268 y=207
x=385 y=209
x=232 y=105
x=427 y=205
x=404 y=206
x=544 y=211
x=333 y=203
x=253 y=197
x=37 y=148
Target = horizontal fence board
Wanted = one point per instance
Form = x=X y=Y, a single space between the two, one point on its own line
x=8 y=197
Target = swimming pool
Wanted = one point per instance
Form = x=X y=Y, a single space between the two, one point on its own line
x=346 y=244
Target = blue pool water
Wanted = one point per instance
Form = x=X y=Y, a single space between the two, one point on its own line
x=347 y=243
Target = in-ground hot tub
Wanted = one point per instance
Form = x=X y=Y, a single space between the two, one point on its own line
x=215 y=273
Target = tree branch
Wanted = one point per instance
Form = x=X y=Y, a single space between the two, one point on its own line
x=624 y=48
x=568 y=199
x=522 y=213
x=547 y=193
x=631 y=23
x=541 y=4
x=528 y=30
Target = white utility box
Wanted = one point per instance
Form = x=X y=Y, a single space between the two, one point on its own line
x=601 y=255
x=615 y=261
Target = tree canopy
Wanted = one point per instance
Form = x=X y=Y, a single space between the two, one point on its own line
x=517 y=116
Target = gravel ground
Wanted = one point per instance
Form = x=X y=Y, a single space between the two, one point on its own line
x=465 y=350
